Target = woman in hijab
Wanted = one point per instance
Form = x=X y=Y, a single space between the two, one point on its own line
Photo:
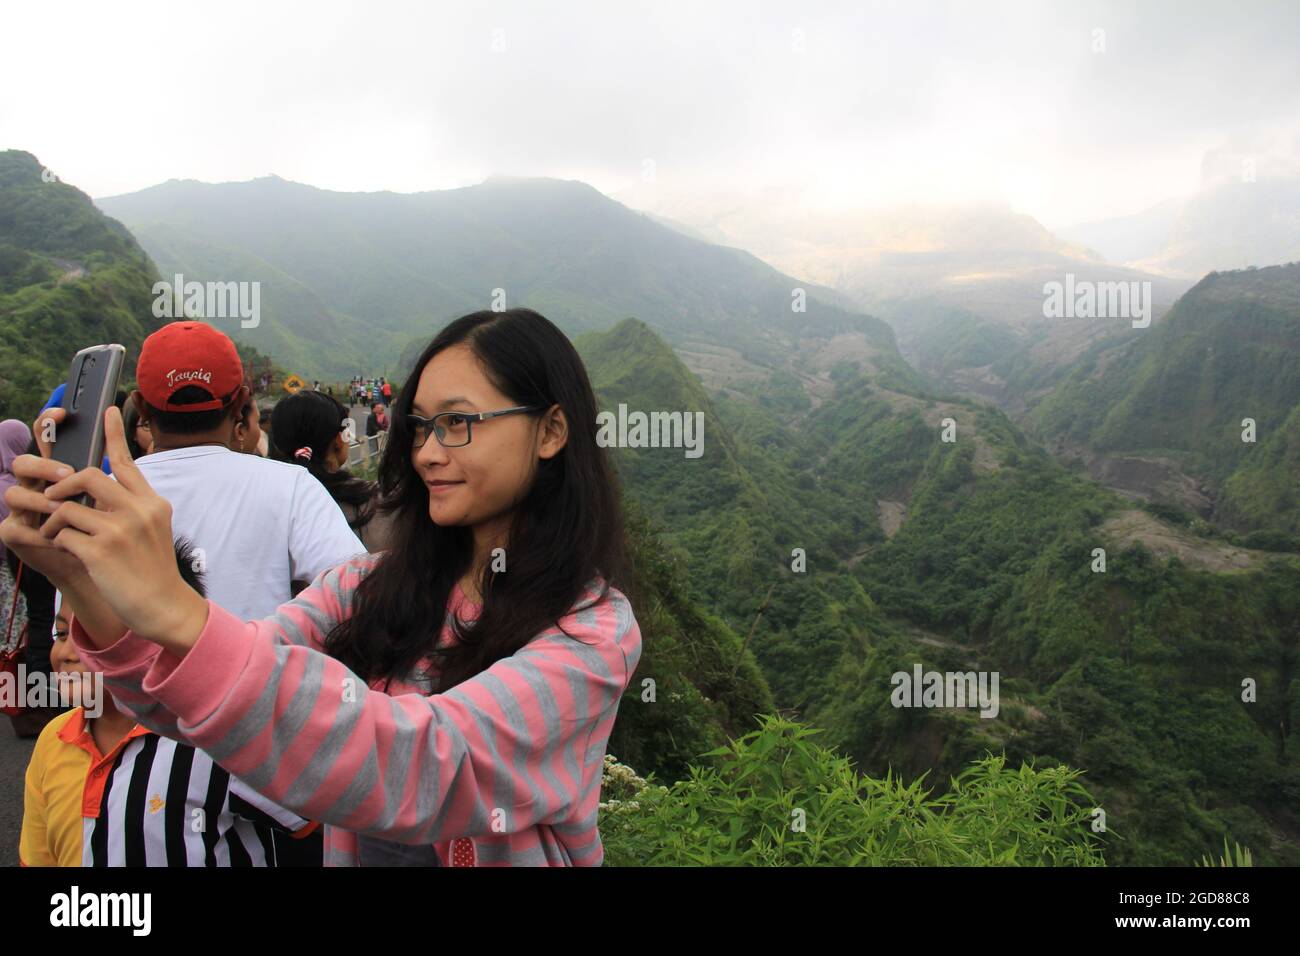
x=16 y=439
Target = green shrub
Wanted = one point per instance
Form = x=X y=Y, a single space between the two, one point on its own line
x=1270 y=539
x=1172 y=513
x=776 y=798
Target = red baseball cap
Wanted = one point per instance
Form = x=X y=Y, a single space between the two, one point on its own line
x=188 y=353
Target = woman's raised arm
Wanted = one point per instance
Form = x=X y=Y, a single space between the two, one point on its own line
x=503 y=751
x=305 y=621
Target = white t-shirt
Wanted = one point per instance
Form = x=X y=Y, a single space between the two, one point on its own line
x=260 y=523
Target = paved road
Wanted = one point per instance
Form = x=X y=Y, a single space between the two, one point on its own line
x=14 y=755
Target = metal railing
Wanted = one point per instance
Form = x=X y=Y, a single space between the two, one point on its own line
x=362 y=451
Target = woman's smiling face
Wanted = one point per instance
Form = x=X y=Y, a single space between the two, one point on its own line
x=491 y=474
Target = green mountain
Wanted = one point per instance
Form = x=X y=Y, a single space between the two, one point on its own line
x=736 y=513
x=69 y=277
x=349 y=275
x=696 y=684
x=977 y=555
x=1162 y=414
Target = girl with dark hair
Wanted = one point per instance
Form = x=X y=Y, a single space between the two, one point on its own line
x=309 y=429
x=138 y=437
x=455 y=693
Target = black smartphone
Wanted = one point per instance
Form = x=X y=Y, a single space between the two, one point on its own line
x=93 y=377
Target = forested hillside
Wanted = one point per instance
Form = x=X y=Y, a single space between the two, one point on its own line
x=69 y=277
x=979 y=554
x=1174 y=403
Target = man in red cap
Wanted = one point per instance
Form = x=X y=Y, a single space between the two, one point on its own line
x=188 y=367
x=256 y=526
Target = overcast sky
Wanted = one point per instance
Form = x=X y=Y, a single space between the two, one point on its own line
x=854 y=103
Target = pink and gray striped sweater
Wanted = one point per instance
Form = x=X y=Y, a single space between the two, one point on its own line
x=504 y=769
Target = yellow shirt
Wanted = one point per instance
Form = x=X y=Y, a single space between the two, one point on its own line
x=65 y=785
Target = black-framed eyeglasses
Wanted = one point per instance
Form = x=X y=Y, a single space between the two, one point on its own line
x=452 y=429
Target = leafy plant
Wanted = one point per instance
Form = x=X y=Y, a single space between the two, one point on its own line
x=775 y=797
x=1240 y=856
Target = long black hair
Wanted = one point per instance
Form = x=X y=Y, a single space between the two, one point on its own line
x=312 y=420
x=130 y=422
x=566 y=530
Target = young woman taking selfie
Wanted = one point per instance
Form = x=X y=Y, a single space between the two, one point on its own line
x=446 y=702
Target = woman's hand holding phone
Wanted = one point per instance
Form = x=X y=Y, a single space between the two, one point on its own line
x=125 y=546
x=21 y=531
x=29 y=507
x=114 y=563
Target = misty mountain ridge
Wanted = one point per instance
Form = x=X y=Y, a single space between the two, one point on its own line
x=961 y=284
x=1228 y=224
x=348 y=274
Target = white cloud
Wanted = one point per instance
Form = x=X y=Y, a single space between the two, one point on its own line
x=886 y=101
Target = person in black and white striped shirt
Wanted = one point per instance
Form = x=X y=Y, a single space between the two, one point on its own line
x=108 y=792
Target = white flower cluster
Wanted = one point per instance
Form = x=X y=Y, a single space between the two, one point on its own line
x=675 y=696
x=621 y=776
x=621 y=779
x=615 y=805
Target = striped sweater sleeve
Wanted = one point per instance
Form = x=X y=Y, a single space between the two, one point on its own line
x=504 y=751
x=305 y=621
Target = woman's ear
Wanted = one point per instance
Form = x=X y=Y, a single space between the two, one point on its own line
x=554 y=433
x=338 y=452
